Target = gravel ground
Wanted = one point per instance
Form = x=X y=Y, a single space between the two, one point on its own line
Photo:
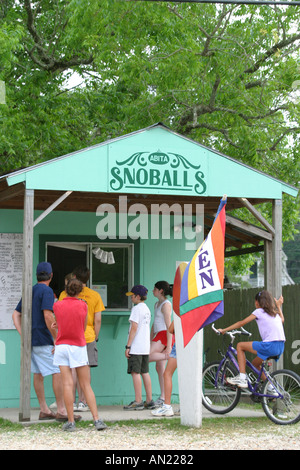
x=234 y=434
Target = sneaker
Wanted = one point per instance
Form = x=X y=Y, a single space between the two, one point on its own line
x=282 y=416
x=99 y=425
x=82 y=407
x=134 y=406
x=69 y=427
x=150 y=405
x=241 y=383
x=74 y=406
x=159 y=402
x=165 y=410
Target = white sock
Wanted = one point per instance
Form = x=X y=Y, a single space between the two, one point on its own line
x=167 y=406
x=243 y=376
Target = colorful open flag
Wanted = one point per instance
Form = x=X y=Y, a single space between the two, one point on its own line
x=198 y=285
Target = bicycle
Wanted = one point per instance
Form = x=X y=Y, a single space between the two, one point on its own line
x=279 y=393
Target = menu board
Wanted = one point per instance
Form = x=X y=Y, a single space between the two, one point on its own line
x=11 y=261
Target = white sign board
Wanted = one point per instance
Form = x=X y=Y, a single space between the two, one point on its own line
x=102 y=290
x=11 y=261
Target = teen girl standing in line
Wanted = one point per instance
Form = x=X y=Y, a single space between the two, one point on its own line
x=161 y=339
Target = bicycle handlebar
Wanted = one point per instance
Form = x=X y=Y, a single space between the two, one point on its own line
x=232 y=333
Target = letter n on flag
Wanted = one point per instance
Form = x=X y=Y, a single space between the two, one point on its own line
x=198 y=285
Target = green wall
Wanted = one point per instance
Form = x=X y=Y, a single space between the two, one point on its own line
x=154 y=260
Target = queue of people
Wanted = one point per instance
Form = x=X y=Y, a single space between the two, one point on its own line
x=65 y=344
x=65 y=335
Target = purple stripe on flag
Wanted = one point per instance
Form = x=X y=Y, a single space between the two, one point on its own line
x=217 y=313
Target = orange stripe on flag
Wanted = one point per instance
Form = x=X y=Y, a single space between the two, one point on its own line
x=217 y=238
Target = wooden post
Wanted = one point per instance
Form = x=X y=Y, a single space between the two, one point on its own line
x=277 y=248
x=268 y=265
x=189 y=373
x=25 y=376
x=277 y=258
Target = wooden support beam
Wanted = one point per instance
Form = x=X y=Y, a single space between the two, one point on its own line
x=268 y=266
x=256 y=214
x=277 y=248
x=52 y=207
x=251 y=229
x=12 y=191
x=244 y=251
x=25 y=379
x=277 y=259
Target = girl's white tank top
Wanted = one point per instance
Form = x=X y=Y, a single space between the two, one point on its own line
x=159 y=319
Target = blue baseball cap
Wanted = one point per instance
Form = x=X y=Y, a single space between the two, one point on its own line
x=138 y=290
x=44 y=267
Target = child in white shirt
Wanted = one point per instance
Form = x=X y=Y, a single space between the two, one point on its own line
x=138 y=348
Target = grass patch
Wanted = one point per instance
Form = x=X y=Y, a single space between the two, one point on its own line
x=214 y=425
x=6 y=425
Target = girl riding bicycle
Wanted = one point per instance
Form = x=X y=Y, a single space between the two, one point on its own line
x=269 y=317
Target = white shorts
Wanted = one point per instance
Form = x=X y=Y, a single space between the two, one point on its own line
x=71 y=356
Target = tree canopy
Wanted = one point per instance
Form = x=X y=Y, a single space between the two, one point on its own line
x=227 y=76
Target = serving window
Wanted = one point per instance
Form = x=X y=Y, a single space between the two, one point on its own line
x=111 y=268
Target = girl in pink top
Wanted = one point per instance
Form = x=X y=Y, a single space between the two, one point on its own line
x=269 y=318
x=70 y=351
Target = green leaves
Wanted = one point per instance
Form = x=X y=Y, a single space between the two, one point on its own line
x=224 y=75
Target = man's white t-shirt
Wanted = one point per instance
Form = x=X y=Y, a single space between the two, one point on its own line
x=141 y=315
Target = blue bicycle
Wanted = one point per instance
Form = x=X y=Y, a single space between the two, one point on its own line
x=279 y=393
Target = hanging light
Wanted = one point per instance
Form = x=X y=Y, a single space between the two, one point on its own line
x=110 y=258
x=103 y=257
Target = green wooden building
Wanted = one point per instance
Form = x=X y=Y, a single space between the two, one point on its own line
x=141 y=199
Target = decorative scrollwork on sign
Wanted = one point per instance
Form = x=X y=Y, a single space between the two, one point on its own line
x=180 y=159
x=158 y=158
x=135 y=157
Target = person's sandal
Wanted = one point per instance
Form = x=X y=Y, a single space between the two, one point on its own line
x=44 y=416
x=64 y=418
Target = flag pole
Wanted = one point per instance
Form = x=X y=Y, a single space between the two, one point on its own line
x=197 y=301
x=189 y=373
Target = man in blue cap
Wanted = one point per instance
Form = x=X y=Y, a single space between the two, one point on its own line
x=42 y=342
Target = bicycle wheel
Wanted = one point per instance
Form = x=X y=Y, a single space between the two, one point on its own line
x=284 y=410
x=224 y=397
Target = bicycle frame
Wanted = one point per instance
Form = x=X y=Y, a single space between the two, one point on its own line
x=230 y=356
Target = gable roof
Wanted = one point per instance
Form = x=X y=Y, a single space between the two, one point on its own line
x=151 y=166
x=154 y=160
